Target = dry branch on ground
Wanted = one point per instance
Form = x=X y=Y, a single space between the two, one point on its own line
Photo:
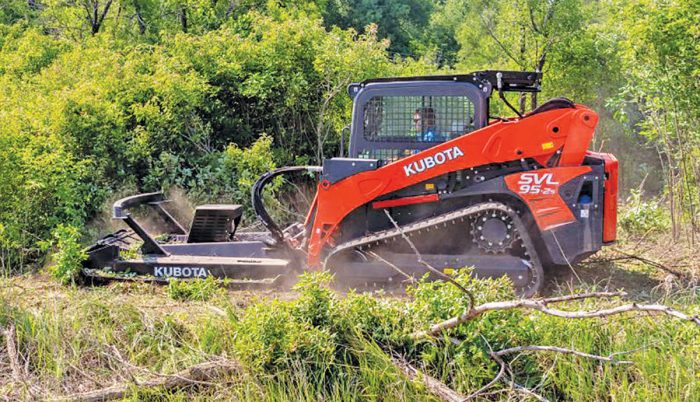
x=434 y=386
x=610 y=358
x=19 y=372
x=498 y=358
x=195 y=375
x=541 y=306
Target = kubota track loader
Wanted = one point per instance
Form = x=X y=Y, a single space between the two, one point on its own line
x=428 y=163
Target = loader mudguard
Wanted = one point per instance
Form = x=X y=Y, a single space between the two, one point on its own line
x=560 y=135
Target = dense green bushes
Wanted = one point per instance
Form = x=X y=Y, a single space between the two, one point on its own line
x=318 y=332
x=641 y=217
x=70 y=254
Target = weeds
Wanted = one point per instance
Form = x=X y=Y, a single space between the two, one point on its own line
x=194 y=289
x=69 y=256
x=324 y=346
x=640 y=217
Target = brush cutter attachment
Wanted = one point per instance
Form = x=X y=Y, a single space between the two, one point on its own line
x=211 y=247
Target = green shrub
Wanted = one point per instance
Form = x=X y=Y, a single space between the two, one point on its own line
x=194 y=289
x=70 y=254
x=84 y=117
x=641 y=216
x=322 y=331
x=468 y=365
x=326 y=346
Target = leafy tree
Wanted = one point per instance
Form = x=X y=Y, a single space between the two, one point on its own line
x=86 y=115
x=521 y=34
x=104 y=95
x=661 y=54
x=13 y=11
x=401 y=21
x=440 y=37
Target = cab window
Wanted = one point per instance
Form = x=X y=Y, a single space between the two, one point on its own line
x=434 y=118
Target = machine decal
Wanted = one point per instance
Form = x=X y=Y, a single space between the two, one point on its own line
x=536 y=183
x=180 y=272
x=431 y=161
x=540 y=191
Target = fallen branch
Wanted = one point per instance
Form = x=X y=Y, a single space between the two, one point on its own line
x=655 y=264
x=498 y=358
x=393 y=266
x=17 y=373
x=197 y=374
x=580 y=296
x=491 y=383
x=511 y=382
x=516 y=349
x=541 y=306
x=434 y=386
x=528 y=391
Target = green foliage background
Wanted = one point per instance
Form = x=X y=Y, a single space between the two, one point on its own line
x=206 y=94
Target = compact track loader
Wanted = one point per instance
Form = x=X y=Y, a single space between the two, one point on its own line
x=429 y=171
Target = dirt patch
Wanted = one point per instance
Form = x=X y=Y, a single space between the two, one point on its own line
x=642 y=267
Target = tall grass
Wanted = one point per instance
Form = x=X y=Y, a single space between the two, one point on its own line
x=323 y=346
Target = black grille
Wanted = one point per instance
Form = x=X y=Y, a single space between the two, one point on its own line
x=214 y=223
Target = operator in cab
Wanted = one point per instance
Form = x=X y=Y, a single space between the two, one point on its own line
x=424 y=125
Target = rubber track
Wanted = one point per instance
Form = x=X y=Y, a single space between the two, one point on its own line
x=450 y=218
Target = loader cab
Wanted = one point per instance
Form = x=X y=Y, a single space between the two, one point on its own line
x=395 y=119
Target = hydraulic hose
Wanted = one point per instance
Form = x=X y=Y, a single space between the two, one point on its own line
x=257 y=197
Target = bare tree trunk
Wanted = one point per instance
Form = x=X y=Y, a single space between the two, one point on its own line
x=435 y=387
x=94 y=16
x=183 y=18
x=670 y=170
x=523 y=48
x=538 y=68
x=95 y=24
x=687 y=173
x=231 y=8
x=542 y=30
x=675 y=229
x=139 y=18
x=200 y=374
x=116 y=20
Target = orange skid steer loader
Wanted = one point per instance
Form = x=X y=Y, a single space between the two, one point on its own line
x=426 y=162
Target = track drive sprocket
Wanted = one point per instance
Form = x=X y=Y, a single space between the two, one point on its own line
x=493 y=231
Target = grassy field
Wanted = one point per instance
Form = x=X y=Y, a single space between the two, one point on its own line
x=316 y=344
